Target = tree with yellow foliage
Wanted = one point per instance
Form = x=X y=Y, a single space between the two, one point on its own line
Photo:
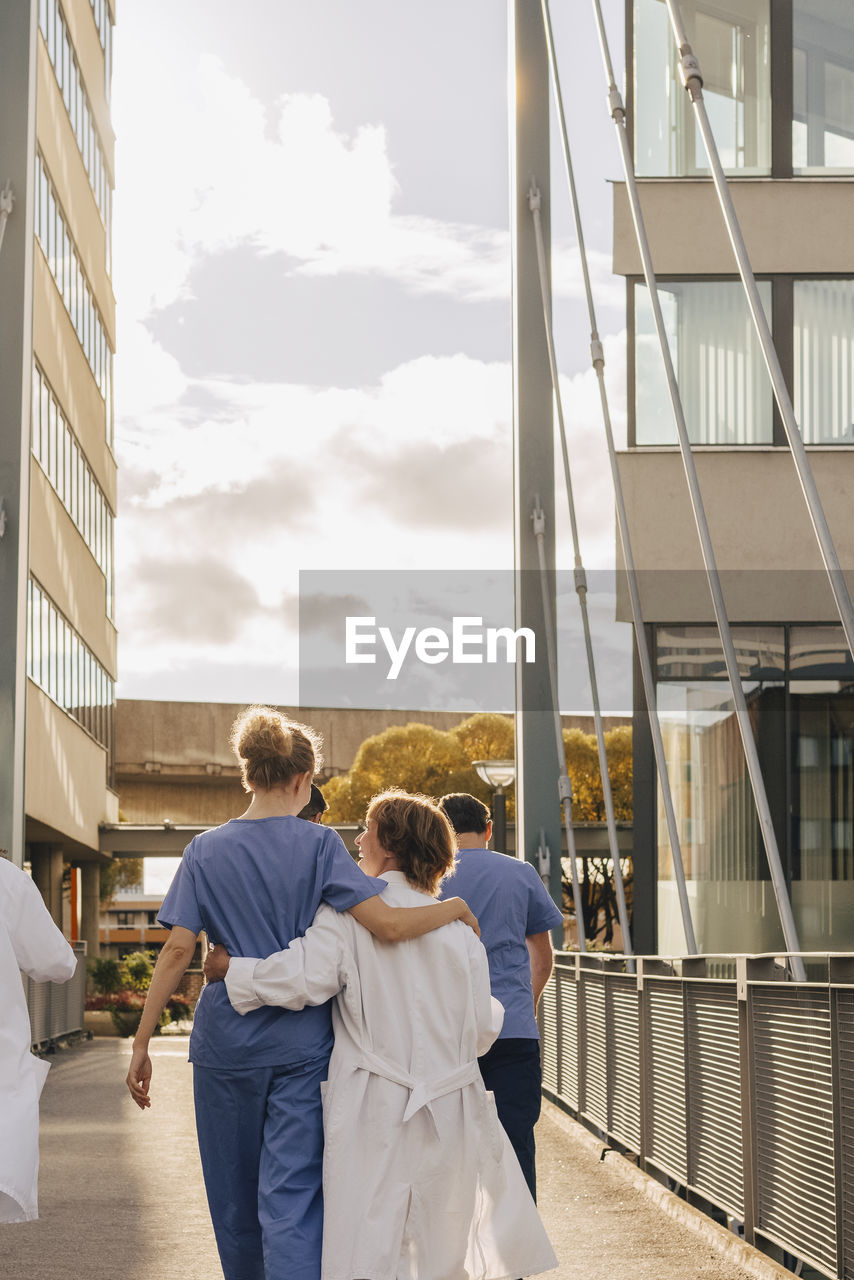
x=582 y=764
x=486 y=736
x=418 y=757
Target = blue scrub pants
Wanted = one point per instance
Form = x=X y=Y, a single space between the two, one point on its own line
x=260 y=1137
x=511 y=1070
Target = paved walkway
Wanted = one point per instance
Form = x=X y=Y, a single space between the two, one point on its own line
x=121 y=1193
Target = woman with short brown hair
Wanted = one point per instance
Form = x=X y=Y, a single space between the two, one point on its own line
x=414 y=832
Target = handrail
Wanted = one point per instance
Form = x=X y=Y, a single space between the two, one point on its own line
x=731 y=1087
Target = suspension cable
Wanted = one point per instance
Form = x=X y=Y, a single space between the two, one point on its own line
x=598 y=361
x=689 y=72
x=580 y=576
x=763 y=809
x=564 y=785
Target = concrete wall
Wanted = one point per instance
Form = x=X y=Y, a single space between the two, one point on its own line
x=190 y=736
x=66 y=794
x=796 y=226
x=188 y=802
x=763 y=539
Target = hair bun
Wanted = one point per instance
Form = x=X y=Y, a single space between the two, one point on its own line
x=272 y=749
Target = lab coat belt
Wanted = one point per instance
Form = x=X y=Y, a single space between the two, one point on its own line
x=421 y=1092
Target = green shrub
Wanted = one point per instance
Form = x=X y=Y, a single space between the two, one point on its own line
x=137 y=969
x=122 y=988
x=106 y=976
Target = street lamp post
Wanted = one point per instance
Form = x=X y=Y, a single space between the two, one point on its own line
x=497 y=774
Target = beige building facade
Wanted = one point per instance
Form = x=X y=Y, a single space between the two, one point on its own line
x=58 y=428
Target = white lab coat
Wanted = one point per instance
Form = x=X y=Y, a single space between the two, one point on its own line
x=419 y=1178
x=29 y=941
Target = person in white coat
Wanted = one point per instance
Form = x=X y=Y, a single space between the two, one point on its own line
x=419 y=1178
x=29 y=941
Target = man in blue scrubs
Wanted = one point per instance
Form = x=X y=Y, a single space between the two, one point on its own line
x=516 y=914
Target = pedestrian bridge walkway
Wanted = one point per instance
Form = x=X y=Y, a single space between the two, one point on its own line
x=122 y=1198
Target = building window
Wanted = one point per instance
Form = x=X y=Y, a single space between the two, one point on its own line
x=734 y=53
x=104 y=23
x=812 y=100
x=824 y=360
x=823 y=88
x=58 y=452
x=64 y=263
x=124 y=920
x=725 y=391
x=70 y=80
x=799 y=685
x=60 y=663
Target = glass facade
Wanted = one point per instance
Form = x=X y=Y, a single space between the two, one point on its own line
x=725 y=390
x=60 y=50
x=64 y=263
x=734 y=53
x=60 y=663
x=823 y=88
x=799 y=684
x=57 y=450
x=733 y=43
x=104 y=23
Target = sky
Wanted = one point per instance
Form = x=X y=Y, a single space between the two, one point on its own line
x=311 y=260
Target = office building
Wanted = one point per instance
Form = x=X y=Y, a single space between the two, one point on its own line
x=779 y=90
x=57 y=463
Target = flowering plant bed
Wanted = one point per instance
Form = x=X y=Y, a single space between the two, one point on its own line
x=121 y=990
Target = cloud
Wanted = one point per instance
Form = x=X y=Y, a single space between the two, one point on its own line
x=323 y=611
x=326 y=330
x=462 y=485
x=198 y=601
x=263 y=508
x=277 y=433
x=287 y=478
x=295 y=184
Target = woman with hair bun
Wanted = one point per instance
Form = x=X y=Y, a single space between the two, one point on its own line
x=419 y=1178
x=253 y=885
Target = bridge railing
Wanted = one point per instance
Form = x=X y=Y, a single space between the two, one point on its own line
x=723 y=1078
x=56 y=1008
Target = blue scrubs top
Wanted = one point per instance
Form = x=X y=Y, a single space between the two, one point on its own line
x=511 y=903
x=254 y=885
